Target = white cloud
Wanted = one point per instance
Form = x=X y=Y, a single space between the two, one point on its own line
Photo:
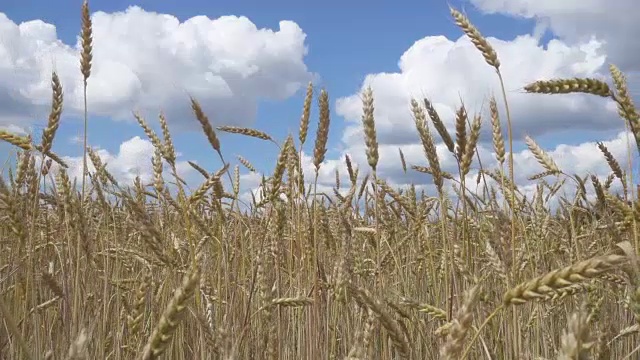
x=447 y=71
x=250 y=184
x=613 y=22
x=14 y=129
x=582 y=159
x=226 y=63
x=132 y=159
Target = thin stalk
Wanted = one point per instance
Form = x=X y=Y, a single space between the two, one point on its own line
x=514 y=324
x=182 y=197
x=377 y=227
x=13 y=328
x=448 y=279
x=84 y=140
x=473 y=339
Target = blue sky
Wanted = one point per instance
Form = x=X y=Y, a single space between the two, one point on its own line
x=344 y=46
x=346 y=42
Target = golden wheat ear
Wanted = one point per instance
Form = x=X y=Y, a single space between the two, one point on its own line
x=170 y=319
x=369 y=126
x=568 y=86
x=322 y=135
x=23 y=142
x=559 y=279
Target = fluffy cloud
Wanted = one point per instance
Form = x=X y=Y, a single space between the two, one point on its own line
x=132 y=159
x=447 y=71
x=250 y=188
x=582 y=159
x=14 y=129
x=227 y=63
x=578 y=20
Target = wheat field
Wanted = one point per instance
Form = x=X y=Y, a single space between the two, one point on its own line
x=94 y=269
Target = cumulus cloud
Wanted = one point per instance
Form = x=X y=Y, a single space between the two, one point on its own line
x=576 y=21
x=250 y=188
x=14 y=129
x=227 y=63
x=132 y=159
x=451 y=72
x=447 y=71
x=582 y=160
